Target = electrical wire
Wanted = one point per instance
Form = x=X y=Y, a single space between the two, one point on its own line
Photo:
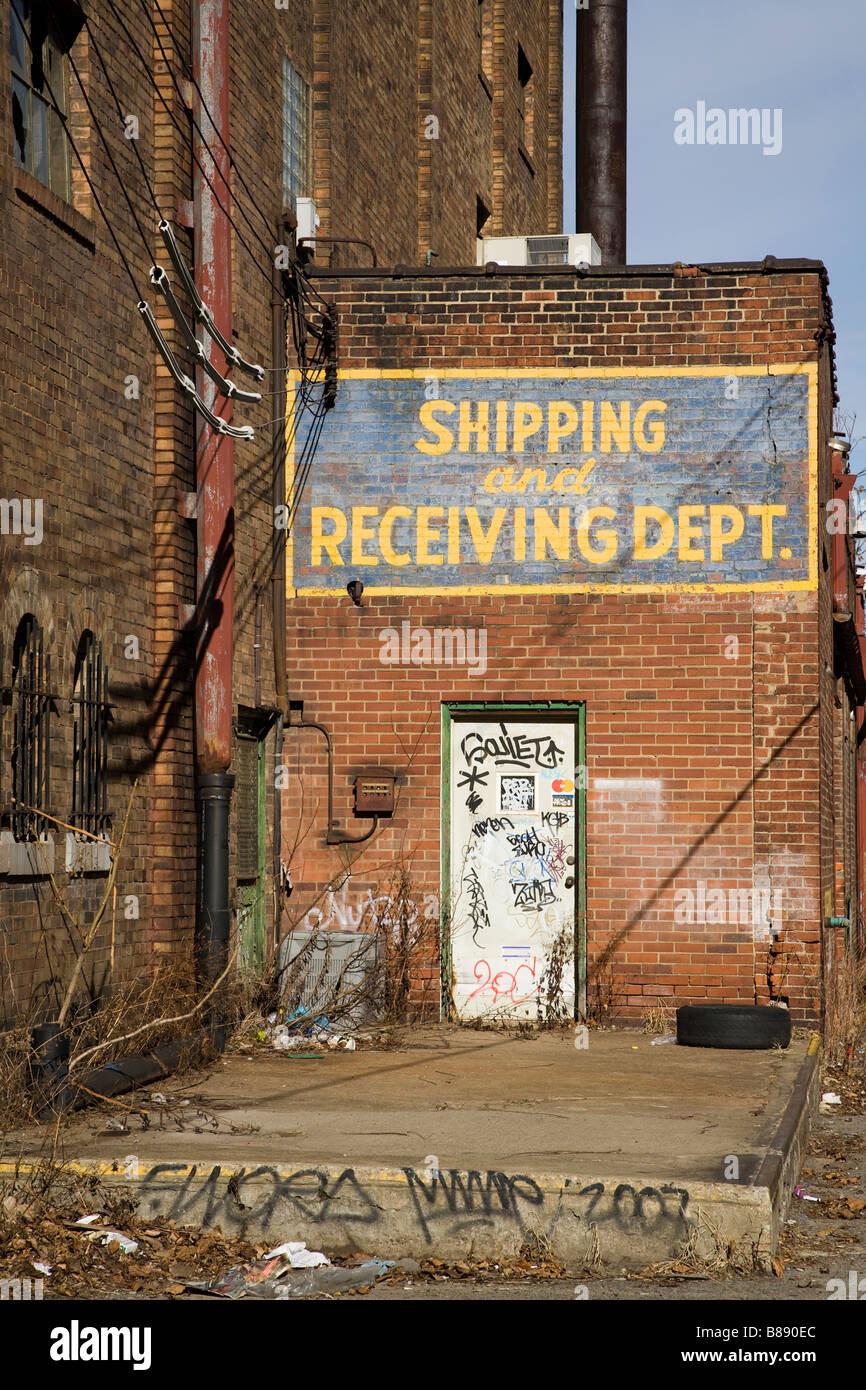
x=136 y=150
x=191 y=75
x=303 y=284
x=186 y=136
x=299 y=482
x=312 y=369
x=97 y=50
x=268 y=248
x=104 y=138
x=227 y=389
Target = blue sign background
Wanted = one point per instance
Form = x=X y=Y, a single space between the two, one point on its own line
x=748 y=448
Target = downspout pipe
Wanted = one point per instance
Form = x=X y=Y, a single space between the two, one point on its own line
x=214 y=795
x=285 y=228
x=215 y=484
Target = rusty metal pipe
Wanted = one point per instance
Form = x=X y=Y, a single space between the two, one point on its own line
x=214 y=452
x=310 y=241
x=215 y=482
x=600 y=183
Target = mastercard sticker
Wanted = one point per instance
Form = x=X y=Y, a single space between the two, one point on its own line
x=562 y=784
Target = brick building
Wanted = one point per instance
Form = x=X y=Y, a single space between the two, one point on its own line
x=410 y=129
x=607 y=645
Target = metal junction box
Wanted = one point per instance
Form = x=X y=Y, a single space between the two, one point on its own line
x=374 y=795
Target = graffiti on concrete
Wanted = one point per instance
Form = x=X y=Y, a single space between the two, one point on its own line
x=479 y=1200
x=645 y=1209
x=446 y=1200
x=309 y=1191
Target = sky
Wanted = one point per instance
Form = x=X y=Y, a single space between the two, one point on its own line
x=706 y=202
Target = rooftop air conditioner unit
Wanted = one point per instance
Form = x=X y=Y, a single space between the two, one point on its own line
x=308 y=218
x=574 y=249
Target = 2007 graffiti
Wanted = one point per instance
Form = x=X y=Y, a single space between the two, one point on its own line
x=450 y=1199
x=629 y=1208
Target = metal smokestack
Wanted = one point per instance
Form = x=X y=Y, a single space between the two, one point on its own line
x=602 y=29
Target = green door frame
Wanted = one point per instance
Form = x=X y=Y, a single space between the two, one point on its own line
x=499 y=707
x=253 y=950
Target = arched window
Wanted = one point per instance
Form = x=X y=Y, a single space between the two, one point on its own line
x=90 y=739
x=31 y=730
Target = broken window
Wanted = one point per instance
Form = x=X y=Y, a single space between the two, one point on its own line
x=40 y=37
x=526 y=101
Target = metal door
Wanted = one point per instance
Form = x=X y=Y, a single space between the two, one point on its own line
x=513 y=842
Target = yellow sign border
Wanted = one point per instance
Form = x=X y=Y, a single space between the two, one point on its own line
x=808 y=369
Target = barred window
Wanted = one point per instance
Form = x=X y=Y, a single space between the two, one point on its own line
x=31 y=730
x=40 y=36
x=296 y=134
x=91 y=715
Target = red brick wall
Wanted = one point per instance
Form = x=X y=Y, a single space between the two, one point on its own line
x=732 y=741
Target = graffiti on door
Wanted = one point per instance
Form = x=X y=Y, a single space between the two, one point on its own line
x=512 y=852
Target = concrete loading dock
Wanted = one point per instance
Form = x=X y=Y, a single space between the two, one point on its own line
x=620 y=1154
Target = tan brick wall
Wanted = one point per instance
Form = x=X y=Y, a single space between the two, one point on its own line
x=117 y=556
x=69 y=336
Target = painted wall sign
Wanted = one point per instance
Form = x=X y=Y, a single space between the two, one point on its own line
x=493 y=481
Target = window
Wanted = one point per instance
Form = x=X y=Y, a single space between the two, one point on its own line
x=296 y=134
x=39 y=45
x=90 y=715
x=31 y=743
x=526 y=100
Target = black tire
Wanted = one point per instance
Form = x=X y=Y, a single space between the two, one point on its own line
x=752 y=1026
